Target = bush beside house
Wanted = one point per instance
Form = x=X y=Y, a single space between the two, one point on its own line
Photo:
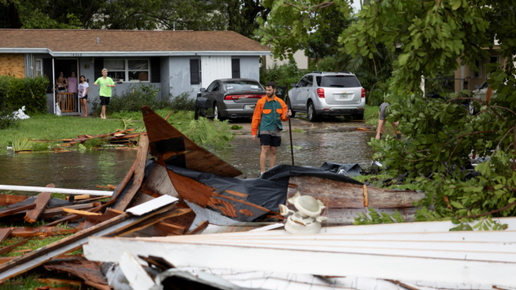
x=18 y=92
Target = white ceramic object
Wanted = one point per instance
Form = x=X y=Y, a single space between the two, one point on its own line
x=307 y=220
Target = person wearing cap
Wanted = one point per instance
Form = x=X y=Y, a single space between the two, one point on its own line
x=269 y=112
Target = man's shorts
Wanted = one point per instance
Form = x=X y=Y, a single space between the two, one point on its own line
x=268 y=140
x=104 y=100
x=383 y=106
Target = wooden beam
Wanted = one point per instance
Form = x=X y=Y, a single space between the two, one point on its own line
x=13 y=210
x=139 y=173
x=25 y=232
x=41 y=204
x=200 y=228
x=9 y=248
x=4 y=234
x=137 y=276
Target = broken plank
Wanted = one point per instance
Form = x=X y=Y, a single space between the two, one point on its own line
x=13 y=210
x=82 y=268
x=25 y=232
x=9 y=199
x=108 y=214
x=152 y=205
x=137 y=276
x=4 y=234
x=170 y=229
x=190 y=189
x=80 y=212
x=7 y=259
x=139 y=172
x=9 y=248
x=41 y=204
x=200 y=228
x=151 y=221
x=44 y=254
x=164 y=138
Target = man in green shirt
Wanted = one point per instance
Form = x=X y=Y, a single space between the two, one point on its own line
x=106 y=84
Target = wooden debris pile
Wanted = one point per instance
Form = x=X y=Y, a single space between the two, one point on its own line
x=154 y=201
x=118 y=137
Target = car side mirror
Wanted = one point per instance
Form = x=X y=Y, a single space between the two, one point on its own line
x=203 y=90
x=477 y=87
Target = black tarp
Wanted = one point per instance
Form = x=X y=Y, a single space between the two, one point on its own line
x=345 y=169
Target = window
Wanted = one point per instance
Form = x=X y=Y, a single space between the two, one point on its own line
x=340 y=81
x=235 y=68
x=128 y=70
x=195 y=71
x=39 y=67
x=243 y=85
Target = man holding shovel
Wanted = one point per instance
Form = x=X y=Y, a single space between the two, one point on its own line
x=269 y=112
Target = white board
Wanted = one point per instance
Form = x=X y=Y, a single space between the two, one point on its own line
x=215 y=67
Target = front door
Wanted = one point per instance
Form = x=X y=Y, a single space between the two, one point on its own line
x=66 y=87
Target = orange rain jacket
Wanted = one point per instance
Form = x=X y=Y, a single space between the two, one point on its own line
x=258 y=110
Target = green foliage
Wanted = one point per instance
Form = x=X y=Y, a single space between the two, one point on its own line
x=19 y=92
x=182 y=102
x=375 y=218
x=139 y=95
x=94 y=143
x=7 y=119
x=282 y=75
x=209 y=134
x=236 y=127
x=27 y=145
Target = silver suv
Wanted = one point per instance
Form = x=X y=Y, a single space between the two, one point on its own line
x=328 y=94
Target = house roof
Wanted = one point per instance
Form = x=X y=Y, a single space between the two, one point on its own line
x=73 y=42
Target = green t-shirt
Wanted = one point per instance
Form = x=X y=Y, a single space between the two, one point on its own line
x=105 y=91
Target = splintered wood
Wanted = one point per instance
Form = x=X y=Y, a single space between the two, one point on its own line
x=164 y=139
x=338 y=194
x=139 y=173
x=41 y=203
x=7 y=199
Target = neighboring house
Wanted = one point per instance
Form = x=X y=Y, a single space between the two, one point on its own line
x=174 y=61
x=302 y=61
x=467 y=78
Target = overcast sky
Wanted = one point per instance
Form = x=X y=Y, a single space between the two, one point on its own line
x=356 y=5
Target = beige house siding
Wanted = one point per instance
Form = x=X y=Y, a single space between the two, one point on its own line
x=475 y=78
x=12 y=64
x=299 y=57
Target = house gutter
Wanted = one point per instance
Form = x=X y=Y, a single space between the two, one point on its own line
x=132 y=53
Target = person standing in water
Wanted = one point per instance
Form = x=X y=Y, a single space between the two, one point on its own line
x=84 y=88
x=106 y=84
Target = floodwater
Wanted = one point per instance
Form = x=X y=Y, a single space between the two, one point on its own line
x=86 y=169
x=310 y=149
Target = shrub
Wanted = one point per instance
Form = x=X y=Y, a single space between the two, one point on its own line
x=139 y=95
x=283 y=74
x=180 y=103
x=18 y=92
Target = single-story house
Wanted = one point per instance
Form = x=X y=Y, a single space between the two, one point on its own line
x=174 y=61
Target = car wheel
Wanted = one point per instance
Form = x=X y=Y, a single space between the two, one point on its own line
x=312 y=115
x=471 y=108
x=216 y=113
x=358 y=117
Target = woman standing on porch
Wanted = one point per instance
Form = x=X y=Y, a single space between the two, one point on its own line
x=84 y=88
x=106 y=83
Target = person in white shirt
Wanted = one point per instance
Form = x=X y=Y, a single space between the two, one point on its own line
x=84 y=88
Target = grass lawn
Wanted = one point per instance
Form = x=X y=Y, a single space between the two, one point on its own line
x=51 y=127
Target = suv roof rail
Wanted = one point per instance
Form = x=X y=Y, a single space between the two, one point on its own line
x=317 y=72
x=346 y=72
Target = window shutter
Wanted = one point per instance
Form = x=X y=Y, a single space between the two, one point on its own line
x=98 y=66
x=47 y=71
x=194 y=72
x=155 y=70
x=235 y=68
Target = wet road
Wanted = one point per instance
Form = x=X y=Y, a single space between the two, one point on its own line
x=86 y=169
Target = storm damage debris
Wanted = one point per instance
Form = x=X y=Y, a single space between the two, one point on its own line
x=181 y=190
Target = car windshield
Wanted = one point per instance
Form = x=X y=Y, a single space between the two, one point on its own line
x=243 y=86
x=339 y=82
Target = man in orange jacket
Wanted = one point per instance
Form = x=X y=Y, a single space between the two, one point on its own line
x=268 y=114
